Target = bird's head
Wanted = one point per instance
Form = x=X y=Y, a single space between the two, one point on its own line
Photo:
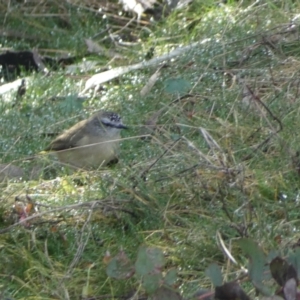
x=109 y=120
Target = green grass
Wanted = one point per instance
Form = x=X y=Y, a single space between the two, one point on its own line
x=177 y=190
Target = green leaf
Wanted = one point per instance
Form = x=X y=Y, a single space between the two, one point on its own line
x=152 y=282
x=177 y=86
x=170 y=277
x=256 y=259
x=262 y=289
x=272 y=254
x=120 y=267
x=149 y=260
x=70 y=104
x=213 y=271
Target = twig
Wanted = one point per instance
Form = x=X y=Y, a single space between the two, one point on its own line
x=66 y=207
x=82 y=245
x=155 y=162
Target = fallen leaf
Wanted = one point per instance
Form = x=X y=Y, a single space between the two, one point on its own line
x=282 y=271
x=229 y=291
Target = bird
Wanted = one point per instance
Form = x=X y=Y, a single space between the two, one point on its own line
x=91 y=143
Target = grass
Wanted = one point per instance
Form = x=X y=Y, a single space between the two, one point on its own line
x=215 y=168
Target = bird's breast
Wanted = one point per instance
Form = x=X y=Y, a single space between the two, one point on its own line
x=90 y=152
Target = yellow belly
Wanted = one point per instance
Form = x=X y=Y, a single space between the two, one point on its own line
x=90 y=156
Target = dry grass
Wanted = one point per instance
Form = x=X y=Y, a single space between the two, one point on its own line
x=220 y=165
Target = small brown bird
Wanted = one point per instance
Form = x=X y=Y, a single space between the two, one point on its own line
x=91 y=143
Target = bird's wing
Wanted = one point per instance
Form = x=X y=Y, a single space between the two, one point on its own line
x=70 y=138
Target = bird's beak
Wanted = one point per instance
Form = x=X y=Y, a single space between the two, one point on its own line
x=121 y=126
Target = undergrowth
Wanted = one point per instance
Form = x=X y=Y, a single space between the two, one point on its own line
x=219 y=164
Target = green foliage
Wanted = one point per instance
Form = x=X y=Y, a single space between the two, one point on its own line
x=148 y=268
x=120 y=267
x=221 y=155
x=171 y=277
x=282 y=272
x=70 y=104
x=178 y=86
x=257 y=259
x=149 y=260
x=214 y=273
